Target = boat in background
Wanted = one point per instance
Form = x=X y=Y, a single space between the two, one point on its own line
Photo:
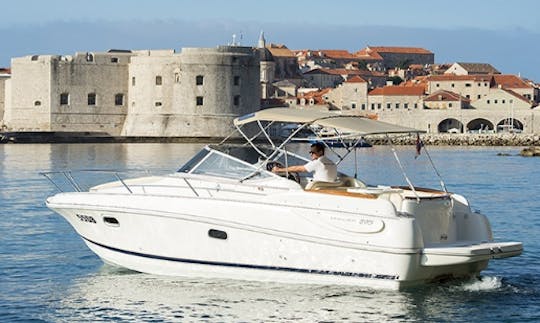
x=224 y=214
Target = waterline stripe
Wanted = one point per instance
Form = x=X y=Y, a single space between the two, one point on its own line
x=248 y=266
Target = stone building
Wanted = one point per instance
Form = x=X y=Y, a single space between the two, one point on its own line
x=194 y=93
x=398 y=56
x=473 y=87
x=86 y=92
x=349 y=95
x=142 y=93
x=4 y=77
x=461 y=68
x=390 y=98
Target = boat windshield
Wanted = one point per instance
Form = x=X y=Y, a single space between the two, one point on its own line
x=235 y=162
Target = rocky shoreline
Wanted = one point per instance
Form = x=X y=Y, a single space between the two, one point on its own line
x=505 y=139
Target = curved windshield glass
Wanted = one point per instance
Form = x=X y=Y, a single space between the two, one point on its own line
x=213 y=163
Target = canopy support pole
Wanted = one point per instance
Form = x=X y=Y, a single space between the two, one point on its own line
x=403 y=169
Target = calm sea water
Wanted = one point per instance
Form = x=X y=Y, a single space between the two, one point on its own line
x=49 y=275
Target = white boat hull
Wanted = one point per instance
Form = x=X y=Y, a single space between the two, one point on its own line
x=170 y=236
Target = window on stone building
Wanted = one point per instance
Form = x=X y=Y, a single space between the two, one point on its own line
x=236 y=80
x=468 y=96
x=159 y=80
x=37 y=103
x=389 y=106
x=234 y=59
x=487 y=101
x=495 y=101
x=437 y=85
x=119 y=99
x=114 y=59
x=158 y=104
x=91 y=99
x=478 y=96
x=176 y=77
x=363 y=106
x=236 y=100
x=353 y=105
x=416 y=105
x=378 y=106
x=405 y=106
x=199 y=100
x=452 y=85
x=64 y=98
x=199 y=80
x=467 y=84
x=373 y=106
x=35 y=57
x=133 y=81
x=449 y=105
x=397 y=105
x=503 y=101
x=89 y=57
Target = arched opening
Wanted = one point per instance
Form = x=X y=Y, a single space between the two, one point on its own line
x=450 y=125
x=510 y=125
x=480 y=125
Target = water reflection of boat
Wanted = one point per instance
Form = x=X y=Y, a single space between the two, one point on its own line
x=225 y=215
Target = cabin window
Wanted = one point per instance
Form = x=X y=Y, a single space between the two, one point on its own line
x=119 y=99
x=64 y=99
x=218 y=234
x=199 y=101
x=199 y=80
x=111 y=221
x=91 y=99
x=159 y=80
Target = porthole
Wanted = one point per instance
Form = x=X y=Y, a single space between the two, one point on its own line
x=218 y=234
x=111 y=221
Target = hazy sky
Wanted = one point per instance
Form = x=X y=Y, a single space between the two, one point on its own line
x=501 y=32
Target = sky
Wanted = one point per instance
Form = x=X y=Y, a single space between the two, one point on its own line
x=503 y=33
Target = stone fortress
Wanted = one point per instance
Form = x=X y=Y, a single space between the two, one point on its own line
x=198 y=91
x=161 y=93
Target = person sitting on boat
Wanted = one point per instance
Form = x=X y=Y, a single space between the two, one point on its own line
x=323 y=169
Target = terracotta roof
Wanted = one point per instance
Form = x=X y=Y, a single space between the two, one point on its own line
x=356 y=79
x=278 y=50
x=400 y=50
x=510 y=82
x=443 y=95
x=317 y=96
x=517 y=95
x=343 y=71
x=478 y=68
x=398 y=90
x=337 y=53
x=5 y=70
x=453 y=77
x=365 y=55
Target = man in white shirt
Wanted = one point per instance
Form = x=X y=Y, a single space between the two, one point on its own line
x=323 y=169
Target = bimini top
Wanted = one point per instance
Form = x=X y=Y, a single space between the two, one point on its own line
x=345 y=123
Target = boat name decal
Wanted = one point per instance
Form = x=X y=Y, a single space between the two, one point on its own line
x=86 y=218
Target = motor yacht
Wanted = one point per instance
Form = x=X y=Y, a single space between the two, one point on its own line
x=225 y=214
